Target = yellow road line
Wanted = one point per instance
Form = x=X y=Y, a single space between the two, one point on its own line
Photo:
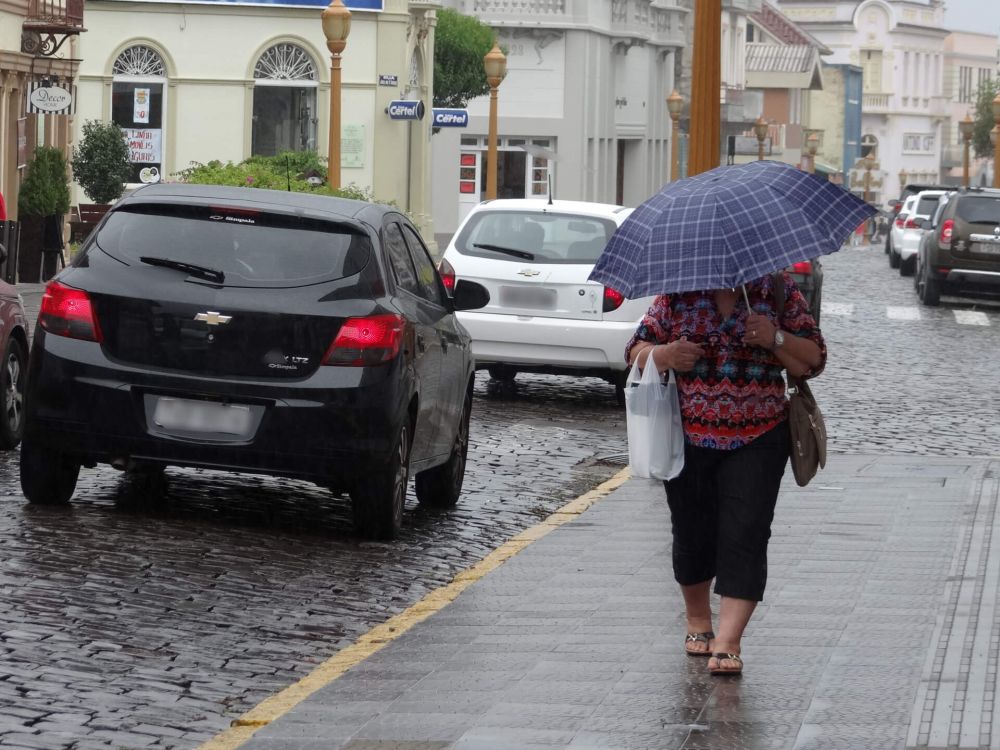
x=378 y=637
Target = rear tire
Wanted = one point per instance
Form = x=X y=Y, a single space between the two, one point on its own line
x=441 y=486
x=619 y=383
x=48 y=477
x=894 y=258
x=502 y=372
x=906 y=267
x=377 y=499
x=12 y=373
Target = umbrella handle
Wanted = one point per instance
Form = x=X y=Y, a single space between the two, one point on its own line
x=745 y=297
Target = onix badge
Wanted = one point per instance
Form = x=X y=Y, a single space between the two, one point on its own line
x=213 y=318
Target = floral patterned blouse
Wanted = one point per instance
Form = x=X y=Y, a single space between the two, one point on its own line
x=736 y=392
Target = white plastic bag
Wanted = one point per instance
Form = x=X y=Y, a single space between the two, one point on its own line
x=653 y=419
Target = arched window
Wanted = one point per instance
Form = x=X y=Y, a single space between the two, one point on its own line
x=137 y=104
x=284 y=101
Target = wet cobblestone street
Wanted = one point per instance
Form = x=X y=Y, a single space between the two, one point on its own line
x=131 y=621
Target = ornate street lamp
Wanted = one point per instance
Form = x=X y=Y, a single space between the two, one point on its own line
x=760 y=130
x=496 y=68
x=965 y=127
x=996 y=151
x=869 y=163
x=812 y=144
x=675 y=103
x=336 y=27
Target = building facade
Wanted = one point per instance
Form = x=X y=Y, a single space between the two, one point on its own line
x=582 y=110
x=970 y=60
x=203 y=81
x=899 y=46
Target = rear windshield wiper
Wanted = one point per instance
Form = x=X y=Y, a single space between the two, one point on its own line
x=204 y=272
x=506 y=251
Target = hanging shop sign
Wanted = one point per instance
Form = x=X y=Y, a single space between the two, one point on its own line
x=449 y=118
x=46 y=99
x=405 y=109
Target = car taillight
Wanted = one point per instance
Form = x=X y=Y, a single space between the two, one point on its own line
x=367 y=341
x=804 y=267
x=947 y=230
x=612 y=299
x=447 y=275
x=899 y=222
x=68 y=312
x=910 y=224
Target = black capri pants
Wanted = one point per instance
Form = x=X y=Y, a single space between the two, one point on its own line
x=721 y=508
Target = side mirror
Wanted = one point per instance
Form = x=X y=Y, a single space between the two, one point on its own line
x=469 y=295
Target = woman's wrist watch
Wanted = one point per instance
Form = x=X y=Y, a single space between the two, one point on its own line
x=779 y=338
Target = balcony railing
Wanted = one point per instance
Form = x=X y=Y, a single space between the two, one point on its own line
x=55 y=15
x=876 y=103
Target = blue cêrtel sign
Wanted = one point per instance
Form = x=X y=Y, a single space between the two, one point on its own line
x=449 y=118
x=375 y=5
x=405 y=109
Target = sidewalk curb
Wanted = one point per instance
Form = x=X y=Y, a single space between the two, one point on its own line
x=244 y=727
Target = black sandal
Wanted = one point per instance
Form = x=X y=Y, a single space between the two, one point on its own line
x=721 y=670
x=698 y=638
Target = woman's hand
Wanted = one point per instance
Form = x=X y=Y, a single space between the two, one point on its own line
x=759 y=331
x=677 y=355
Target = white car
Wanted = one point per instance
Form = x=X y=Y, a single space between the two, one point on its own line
x=918 y=208
x=534 y=257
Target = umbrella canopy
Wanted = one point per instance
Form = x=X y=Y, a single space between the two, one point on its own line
x=727 y=226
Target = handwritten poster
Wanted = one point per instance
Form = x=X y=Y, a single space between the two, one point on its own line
x=144 y=145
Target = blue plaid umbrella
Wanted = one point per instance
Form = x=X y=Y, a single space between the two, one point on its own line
x=727 y=226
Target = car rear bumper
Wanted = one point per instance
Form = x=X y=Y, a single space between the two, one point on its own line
x=327 y=427
x=554 y=344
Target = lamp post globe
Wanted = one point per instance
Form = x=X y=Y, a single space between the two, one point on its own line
x=336 y=27
x=495 y=64
x=675 y=104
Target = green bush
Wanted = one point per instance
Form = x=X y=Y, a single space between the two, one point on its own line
x=45 y=190
x=101 y=161
x=286 y=171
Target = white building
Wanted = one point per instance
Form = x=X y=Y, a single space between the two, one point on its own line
x=899 y=44
x=218 y=80
x=583 y=104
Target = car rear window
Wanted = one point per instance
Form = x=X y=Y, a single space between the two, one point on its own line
x=251 y=248
x=927 y=205
x=979 y=209
x=559 y=238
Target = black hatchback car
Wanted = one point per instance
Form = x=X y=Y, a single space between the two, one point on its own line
x=254 y=331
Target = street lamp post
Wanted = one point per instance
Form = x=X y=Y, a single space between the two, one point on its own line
x=496 y=66
x=869 y=163
x=675 y=103
x=336 y=27
x=965 y=128
x=760 y=130
x=996 y=150
x=812 y=144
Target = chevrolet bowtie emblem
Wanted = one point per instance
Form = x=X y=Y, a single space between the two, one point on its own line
x=528 y=272
x=213 y=318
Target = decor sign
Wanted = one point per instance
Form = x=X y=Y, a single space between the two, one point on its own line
x=140 y=105
x=144 y=146
x=50 y=100
x=352 y=146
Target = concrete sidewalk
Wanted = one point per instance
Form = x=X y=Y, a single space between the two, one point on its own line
x=880 y=630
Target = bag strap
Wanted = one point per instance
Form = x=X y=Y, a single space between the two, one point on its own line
x=794 y=383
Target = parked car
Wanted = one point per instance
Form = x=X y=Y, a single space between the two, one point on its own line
x=14 y=345
x=918 y=208
x=895 y=238
x=254 y=331
x=960 y=253
x=534 y=257
x=896 y=205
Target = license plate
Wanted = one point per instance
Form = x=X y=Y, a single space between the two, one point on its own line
x=201 y=416
x=528 y=297
x=985 y=248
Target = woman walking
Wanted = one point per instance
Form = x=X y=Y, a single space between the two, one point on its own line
x=730 y=361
